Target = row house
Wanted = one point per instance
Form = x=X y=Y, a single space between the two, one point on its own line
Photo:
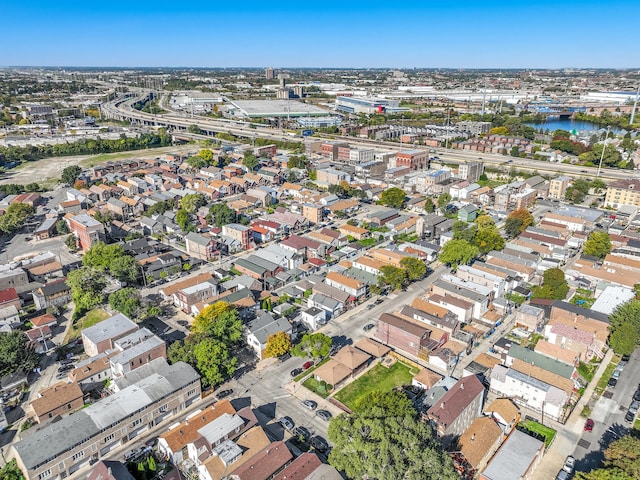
x=479 y=300
x=145 y=400
x=101 y=337
x=409 y=336
x=353 y=287
x=200 y=246
x=55 y=293
x=186 y=297
x=135 y=350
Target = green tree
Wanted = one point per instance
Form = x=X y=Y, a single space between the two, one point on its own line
x=488 y=239
x=597 y=185
x=100 y=255
x=183 y=219
x=577 y=191
x=206 y=155
x=377 y=404
x=219 y=321
x=624 y=327
x=443 y=200
x=14 y=217
x=193 y=128
x=458 y=252
x=11 y=471
x=393 y=197
x=429 y=206
x=16 y=354
x=71 y=243
x=126 y=301
x=214 y=361
x=598 y=244
x=87 y=288
x=250 y=161
x=70 y=174
x=314 y=345
x=125 y=269
x=624 y=454
x=192 y=202
x=604 y=474
x=517 y=222
x=463 y=231
x=387 y=448
x=61 y=227
x=415 y=268
x=221 y=214
x=554 y=285
x=393 y=276
x=277 y=345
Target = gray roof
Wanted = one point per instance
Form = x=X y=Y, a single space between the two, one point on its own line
x=514 y=457
x=198 y=239
x=60 y=437
x=585 y=312
x=266 y=325
x=449 y=321
x=465 y=292
x=109 y=328
x=542 y=361
x=136 y=350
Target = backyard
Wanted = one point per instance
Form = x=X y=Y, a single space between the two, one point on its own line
x=379 y=378
x=91 y=318
x=543 y=432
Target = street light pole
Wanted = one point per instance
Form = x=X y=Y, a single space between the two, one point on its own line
x=604 y=144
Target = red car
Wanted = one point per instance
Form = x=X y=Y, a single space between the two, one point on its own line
x=307 y=365
x=588 y=426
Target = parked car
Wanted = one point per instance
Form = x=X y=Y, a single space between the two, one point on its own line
x=224 y=393
x=629 y=417
x=368 y=327
x=588 y=426
x=296 y=371
x=324 y=415
x=303 y=433
x=636 y=396
x=612 y=382
x=285 y=357
x=569 y=464
x=319 y=444
x=310 y=404
x=616 y=374
x=370 y=306
x=307 y=365
x=286 y=423
x=563 y=475
x=635 y=405
x=66 y=368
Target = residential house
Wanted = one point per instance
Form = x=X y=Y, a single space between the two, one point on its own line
x=200 y=246
x=479 y=442
x=59 y=399
x=314 y=317
x=529 y=317
x=353 y=287
x=516 y=459
x=9 y=318
x=101 y=336
x=10 y=297
x=12 y=276
x=93 y=371
x=264 y=325
x=397 y=332
x=146 y=398
x=187 y=297
x=86 y=229
x=457 y=409
x=239 y=233
x=134 y=350
x=110 y=470
x=55 y=293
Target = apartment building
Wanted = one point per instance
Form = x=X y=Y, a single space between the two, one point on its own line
x=623 y=192
x=86 y=229
x=147 y=398
x=558 y=187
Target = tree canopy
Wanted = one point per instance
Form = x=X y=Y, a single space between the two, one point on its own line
x=621 y=461
x=458 y=252
x=415 y=268
x=624 y=327
x=111 y=259
x=70 y=174
x=221 y=214
x=11 y=471
x=517 y=222
x=314 y=345
x=429 y=206
x=277 y=345
x=443 y=200
x=14 y=217
x=378 y=444
x=16 y=354
x=554 y=285
x=126 y=301
x=192 y=202
x=87 y=288
x=393 y=197
x=598 y=244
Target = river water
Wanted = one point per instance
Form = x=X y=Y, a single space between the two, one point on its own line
x=555 y=123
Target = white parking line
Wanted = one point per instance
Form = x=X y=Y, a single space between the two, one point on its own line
x=282 y=396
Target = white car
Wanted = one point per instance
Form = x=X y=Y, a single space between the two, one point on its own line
x=569 y=464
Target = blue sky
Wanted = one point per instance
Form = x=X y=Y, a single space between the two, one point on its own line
x=460 y=34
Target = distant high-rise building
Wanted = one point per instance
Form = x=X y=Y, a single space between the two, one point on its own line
x=269 y=73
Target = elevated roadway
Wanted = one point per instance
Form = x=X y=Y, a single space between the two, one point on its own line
x=121 y=108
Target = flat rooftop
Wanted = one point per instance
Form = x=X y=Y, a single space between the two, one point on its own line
x=277 y=108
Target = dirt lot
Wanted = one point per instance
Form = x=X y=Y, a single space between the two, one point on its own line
x=51 y=168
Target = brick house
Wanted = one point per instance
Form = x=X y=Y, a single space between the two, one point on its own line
x=402 y=334
x=86 y=229
x=59 y=399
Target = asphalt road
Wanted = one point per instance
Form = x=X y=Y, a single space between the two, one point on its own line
x=608 y=416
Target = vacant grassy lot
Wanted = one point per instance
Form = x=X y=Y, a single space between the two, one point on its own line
x=378 y=378
x=94 y=316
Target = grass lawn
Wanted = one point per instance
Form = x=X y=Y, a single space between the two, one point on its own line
x=314 y=385
x=367 y=242
x=547 y=432
x=490 y=183
x=91 y=318
x=587 y=370
x=378 y=378
x=602 y=383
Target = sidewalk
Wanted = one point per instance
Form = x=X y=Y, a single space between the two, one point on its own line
x=569 y=434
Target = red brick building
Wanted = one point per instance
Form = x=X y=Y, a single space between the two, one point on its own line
x=86 y=229
x=402 y=334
